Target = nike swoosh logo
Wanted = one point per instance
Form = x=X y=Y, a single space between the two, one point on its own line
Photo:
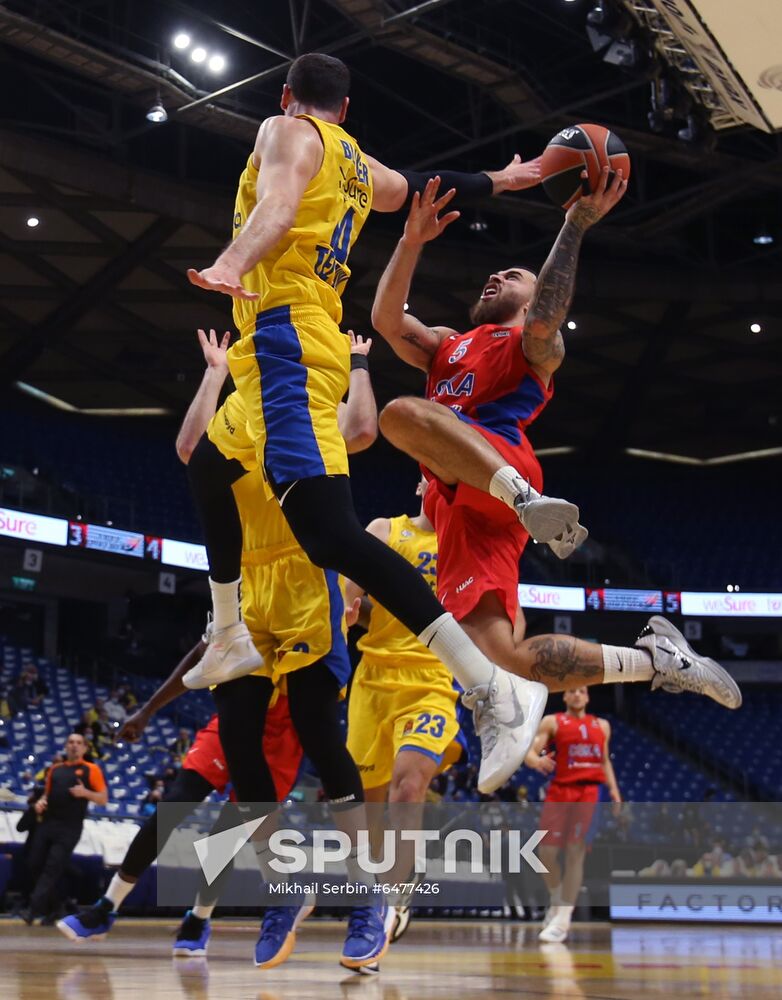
x=519 y=717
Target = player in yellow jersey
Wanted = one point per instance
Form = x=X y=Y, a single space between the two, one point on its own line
x=302 y=201
x=402 y=720
x=295 y=614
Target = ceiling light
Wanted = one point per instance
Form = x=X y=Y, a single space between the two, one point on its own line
x=406 y=306
x=198 y=54
x=763 y=238
x=157 y=114
x=216 y=64
x=181 y=40
x=571 y=324
x=33 y=221
x=755 y=327
x=479 y=225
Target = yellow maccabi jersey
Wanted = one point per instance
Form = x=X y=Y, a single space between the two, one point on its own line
x=387 y=638
x=309 y=266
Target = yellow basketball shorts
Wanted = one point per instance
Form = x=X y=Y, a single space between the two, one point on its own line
x=400 y=708
x=294 y=611
x=292 y=372
x=229 y=433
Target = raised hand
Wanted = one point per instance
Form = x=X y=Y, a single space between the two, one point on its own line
x=214 y=352
x=590 y=208
x=358 y=345
x=518 y=175
x=423 y=220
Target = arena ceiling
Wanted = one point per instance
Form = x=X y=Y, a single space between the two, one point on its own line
x=96 y=311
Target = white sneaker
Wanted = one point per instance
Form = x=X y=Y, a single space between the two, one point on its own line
x=568 y=540
x=230 y=653
x=553 y=933
x=401 y=923
x=506 y=713
x=678 y=667
x=544 y=517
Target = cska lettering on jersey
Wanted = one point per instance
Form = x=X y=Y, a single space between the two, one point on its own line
x=580 y=749
x=484 y=375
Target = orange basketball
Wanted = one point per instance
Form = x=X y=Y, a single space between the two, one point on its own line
x=574 y=149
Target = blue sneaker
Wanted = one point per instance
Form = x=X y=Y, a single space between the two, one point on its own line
x=369 y=930
x=94 y=922
x=192 y=936
x=278 y=934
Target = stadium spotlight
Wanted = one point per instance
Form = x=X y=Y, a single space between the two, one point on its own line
x=198 y=55
x=763 y=238
x=571 y=324
x=181 y=40
x=755 y=328
x=157 y=114
x=479 y=225
x=216 y=63
x=33 y=221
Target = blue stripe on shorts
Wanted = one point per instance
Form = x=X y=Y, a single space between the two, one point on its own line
x=291 y=451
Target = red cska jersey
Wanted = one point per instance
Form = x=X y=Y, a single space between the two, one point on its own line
x=484 y=375
x=580 y=749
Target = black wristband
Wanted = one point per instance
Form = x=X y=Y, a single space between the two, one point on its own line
x=359 y=361
x=469 y=187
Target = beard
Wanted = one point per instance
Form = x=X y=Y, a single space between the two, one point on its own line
x=496 y=310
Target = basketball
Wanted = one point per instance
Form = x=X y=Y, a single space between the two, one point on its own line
x=574 y=149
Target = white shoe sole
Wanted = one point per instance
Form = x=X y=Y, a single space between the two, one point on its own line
x=536 y=696
x=565 y=547
x=188 y=953
x=196 y=678
x=71 y=934
x=548 y=517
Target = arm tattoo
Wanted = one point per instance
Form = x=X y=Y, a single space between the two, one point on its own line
x=551 y=301
x=557 y=658
x=414 y=340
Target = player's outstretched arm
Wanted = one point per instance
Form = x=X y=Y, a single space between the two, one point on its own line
x=357 y=418
x=411 y=340
x=542 y=338
x=170 y=689
x=290 y=152
x=204 y=403
x=394 y=189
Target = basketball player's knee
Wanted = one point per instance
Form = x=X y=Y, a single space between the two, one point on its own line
x=409 y=785
x=402 y=416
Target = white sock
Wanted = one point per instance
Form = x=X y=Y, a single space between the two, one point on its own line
x=507 y=483
x=624 y=665
x=203 y=912
x=563 y=916
x=225 y=603
x=451 y=644
x=117 y=891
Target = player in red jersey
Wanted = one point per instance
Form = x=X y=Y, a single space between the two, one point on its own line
x=580 y=763
x=485 y=387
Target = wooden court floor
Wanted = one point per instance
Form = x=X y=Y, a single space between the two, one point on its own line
x=442 y=960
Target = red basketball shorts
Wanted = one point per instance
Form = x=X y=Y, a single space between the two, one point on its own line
x=567 y=812
x=281 y=748
x=479 y=538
